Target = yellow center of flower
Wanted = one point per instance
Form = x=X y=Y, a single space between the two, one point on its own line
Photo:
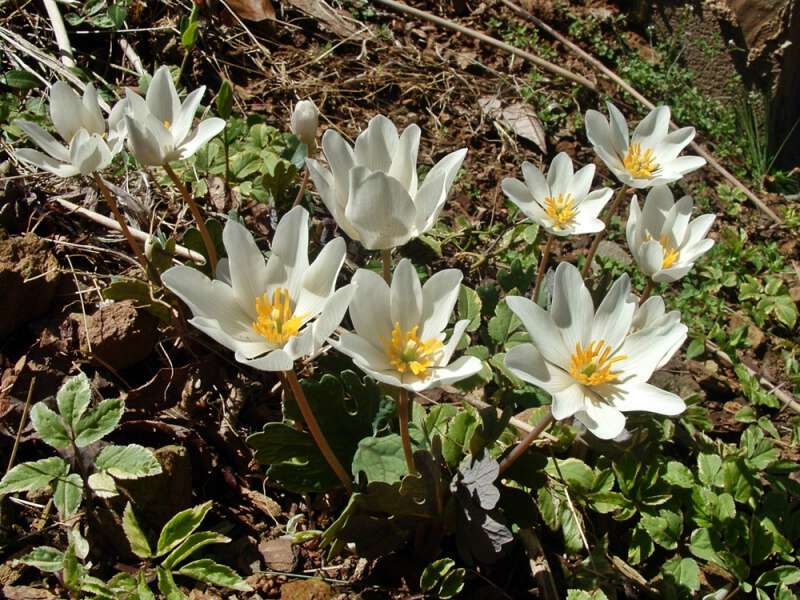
x=638 y=163
x=671 y=254
x=276 y=320
x=560 y=209
x=166 y=124
x=408 y=353
x=592 y=365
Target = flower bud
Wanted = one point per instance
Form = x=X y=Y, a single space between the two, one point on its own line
x=305 y=118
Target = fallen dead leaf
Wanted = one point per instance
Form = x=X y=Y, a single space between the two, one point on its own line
x=252 y=10
x=518 y=117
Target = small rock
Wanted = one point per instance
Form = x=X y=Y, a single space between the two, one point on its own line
x=755 y=337
x=117 y=335
x=24 y=592
x=307 y=589
x=613 y=250
x=29 y=277
x=279 y=554
x=794 y=294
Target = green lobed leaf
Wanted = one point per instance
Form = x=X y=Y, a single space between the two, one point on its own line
x=584 y=595
x=679 y=475
x=34 y=475
x=192 y=544
x=103 y=485
x=73 y=399
x=665 y=528
x=785 y=574
x=432 y=575
x=73 y=570
x=683 y=572
x=469 y=307
x=21 y=80
x=136 y=536
x=380 y=459
x=68 y=494
x=96 y=424
x=709 y=469
x=452 y=584
x=224 y=100
x=44 y=558
x=49 y=426
x=142 y=589
x=179 y=527
x=128 y=462
x=209 y=571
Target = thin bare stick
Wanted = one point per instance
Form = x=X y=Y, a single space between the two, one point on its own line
x=446 y=23
x=22 y=421
x=112 y=224
x=542 y=266
x=123 y=226
x=386 y=260
x=540 y=568
x=525 y=442
x=784 y=396
x=302 y=191
x=315 y=431
x=198 y=217
x=648 y=289
x=60 y=32
x=597 y=64
x=600 y=235
x=402 y=417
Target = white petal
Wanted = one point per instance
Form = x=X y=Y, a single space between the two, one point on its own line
x=581 y=183
x=332 y=314
x=648 y=398
x=619 y=129
x=519 y=194
x=526 y=362
x=599 y=132
x=657 y=204
x=653 y=127
x=567 y=402
x=89 y=153
x=572 y=309
x=698 y=228
x=290 y=245
x=686 y=164
x=340 y=157
x=464 y=367
x=242 y=347
x=615 y=313
x=380 y=209
x=93 y=120
x=406 y=296
x=455 y=338
x=559 y=176
x=431 y=196
x=647 y=349
x=303 y=344
x=404 y=160
x=65 y=110
x=603 y=420
x=206 y=130
x=376 y=145
x=679 y=221
x=143 y=144
x=276 y=360
x=44 y=140
x=369 y=309
x=183 y=120
x=672 y=144
x=592 y=205
x=672 y=274
x=162 y=98
x=42 y=161
x=535 y=181
x=246 y=264
x=362 y=351
x=319 y=279
x=439 y=296
x=541 y=329
x=650 y=257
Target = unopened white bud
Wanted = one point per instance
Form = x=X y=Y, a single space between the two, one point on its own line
x=305 y=119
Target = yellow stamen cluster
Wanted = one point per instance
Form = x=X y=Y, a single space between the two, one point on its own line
x=671 y=255
x=166 y=124
x=560 y=209
x=592 y=365
x=640 y=164
x=276 y=319
x=408 y=353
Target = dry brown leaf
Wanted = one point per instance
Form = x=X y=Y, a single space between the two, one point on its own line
x=518 y=117
x=252 y=10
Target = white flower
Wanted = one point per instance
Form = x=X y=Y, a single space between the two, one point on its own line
x=91 y=142
x=160 y=127
x=652 y=315
x=587 y=360
x=562 y=202
x=272 y=313
x=650 y=156
x=305 y=120
x=399 y=330
x=664 y=243
x=371 y=190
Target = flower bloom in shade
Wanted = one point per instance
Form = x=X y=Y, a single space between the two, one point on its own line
x=371 y=190
x=590 y=361
x=160 y=127
x=662 y=239
x=272 y=313
x=91 y=142
x=650 y=156
x=305 y=119
x=560 y=202
x=399 y=334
